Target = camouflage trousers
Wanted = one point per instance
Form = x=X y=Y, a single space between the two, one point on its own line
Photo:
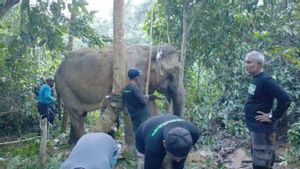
x=140 y=160
x=262 y=149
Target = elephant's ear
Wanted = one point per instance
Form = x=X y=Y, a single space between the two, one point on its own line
x=156 y=67
x=162 y=51
x=165 y=62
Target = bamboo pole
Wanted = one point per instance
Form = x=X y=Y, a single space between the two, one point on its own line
x=150 y=54
x=43 y=145
x=19 y=141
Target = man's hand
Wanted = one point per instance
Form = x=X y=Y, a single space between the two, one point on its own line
x=263 y=117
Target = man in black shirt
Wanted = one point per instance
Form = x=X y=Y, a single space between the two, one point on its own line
x=165 y=135
x=260 y=119
x=135 y=100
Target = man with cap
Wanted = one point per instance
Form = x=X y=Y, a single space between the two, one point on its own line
x=164 y=135
x=45 y=100
x=93 y=151
x=134 y=99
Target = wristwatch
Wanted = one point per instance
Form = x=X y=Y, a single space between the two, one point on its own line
x=270 y=116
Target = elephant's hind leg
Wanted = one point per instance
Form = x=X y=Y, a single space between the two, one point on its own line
x=77 y=127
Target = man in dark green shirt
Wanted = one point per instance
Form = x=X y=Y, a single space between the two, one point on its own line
x=260 y=118
x=135 y=100
x=165 y=135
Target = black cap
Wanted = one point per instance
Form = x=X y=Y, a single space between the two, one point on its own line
x=132 y=73
x=49 y=79
x=178 y=142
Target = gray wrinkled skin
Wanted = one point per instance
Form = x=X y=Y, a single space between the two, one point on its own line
x=85 y=78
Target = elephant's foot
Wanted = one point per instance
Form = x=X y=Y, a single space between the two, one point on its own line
x=73 y=139
x=75 y=135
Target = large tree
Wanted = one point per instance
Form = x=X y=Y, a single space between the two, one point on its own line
x=119 y=76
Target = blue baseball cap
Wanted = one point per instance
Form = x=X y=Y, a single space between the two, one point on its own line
x=132 y=73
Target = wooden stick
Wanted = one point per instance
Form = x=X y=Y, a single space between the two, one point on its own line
x=19 y=141
x=43 y=145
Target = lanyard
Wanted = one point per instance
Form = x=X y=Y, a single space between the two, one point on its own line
x=164 y=124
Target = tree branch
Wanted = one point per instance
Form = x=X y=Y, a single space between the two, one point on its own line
x=19 y=141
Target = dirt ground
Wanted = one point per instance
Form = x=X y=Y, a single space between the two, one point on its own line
x=238 y=159
x=228 y=155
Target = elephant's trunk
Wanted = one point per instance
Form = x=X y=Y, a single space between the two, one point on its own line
x=178 y=99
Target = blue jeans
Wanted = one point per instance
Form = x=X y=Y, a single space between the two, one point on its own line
x=45 y=112
x=116 y=153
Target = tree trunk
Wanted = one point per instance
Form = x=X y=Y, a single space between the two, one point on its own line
x=70 y=47
x=183 y=44
x=185 y=32
x=118 y=44
x=70 y=42
x=119 y=71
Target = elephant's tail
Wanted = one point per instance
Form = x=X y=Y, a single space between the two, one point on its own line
x=58 y=98
x=58 y=105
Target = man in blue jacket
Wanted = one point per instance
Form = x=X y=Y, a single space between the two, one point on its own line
x=260 y=118
x=45 y=99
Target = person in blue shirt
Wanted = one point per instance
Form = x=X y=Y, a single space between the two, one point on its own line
x=45 y=100
x=261 y=120
x=93 y=151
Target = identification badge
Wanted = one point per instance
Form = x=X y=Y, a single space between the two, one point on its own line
x=251 y=89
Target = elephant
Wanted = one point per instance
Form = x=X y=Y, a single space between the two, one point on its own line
x=84 y=78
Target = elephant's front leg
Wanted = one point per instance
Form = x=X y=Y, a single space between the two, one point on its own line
x=106 y=120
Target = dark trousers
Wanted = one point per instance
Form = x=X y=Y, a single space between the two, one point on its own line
x=138 y=117
x=155 y=161
x=136 y=122
x=44 y=110
x=263 y=150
